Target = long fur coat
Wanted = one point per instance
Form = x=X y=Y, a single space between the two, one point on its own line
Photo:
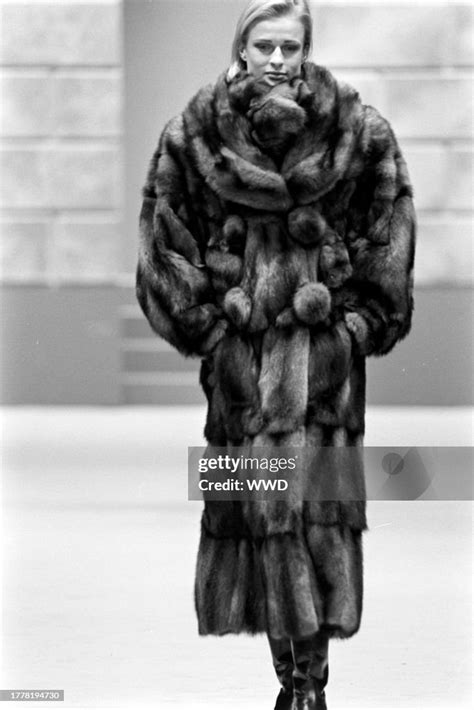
x=277 y=240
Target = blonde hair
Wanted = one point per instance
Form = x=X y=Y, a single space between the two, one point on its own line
x=259 y=10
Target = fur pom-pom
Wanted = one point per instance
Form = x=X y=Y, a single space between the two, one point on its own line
x=306 y=225
x=312 y=303
x=238 y=306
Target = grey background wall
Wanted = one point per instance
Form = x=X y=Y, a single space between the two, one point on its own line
x=86 y=90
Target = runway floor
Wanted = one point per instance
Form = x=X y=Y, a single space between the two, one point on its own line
x=99 y=546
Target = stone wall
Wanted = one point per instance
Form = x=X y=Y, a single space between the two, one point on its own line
x=61 y=146
x=61 y=127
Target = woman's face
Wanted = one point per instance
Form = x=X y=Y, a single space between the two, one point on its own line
x=274 y=49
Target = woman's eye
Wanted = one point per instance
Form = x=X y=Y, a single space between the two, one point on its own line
x=289 y=49
x=265 y=48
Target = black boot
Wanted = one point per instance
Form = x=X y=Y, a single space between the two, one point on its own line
x=282 y=658
x=320 y=668
x=319 y=685
x=311 y=672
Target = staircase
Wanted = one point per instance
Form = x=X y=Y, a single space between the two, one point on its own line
x=152 y=372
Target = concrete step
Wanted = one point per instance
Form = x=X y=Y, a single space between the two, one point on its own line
x=161 y=394
x=161 y=388
x=152 y=371
x=137 y=359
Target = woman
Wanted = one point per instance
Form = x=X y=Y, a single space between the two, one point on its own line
x=277 y=244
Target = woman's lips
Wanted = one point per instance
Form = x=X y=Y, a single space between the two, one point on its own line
x=275 y=76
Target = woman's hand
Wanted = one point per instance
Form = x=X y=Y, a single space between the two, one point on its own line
x=215 y=336
x=359 y=330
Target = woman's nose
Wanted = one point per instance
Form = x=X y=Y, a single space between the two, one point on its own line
x=276 y=60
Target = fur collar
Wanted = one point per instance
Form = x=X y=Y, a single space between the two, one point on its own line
x=272 y=149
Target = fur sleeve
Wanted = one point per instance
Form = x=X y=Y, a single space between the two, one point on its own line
x=378 y=299
x=173 y=287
